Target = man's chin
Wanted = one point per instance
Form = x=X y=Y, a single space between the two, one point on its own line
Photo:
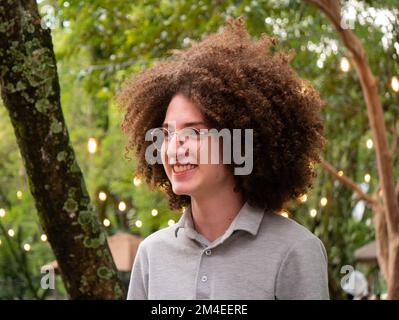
x=183 y=190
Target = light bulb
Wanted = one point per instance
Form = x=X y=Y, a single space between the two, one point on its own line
x=102 y=196
x=92 y=145
x=303 y=198
x=395 y=84
x=136 y=181
x=345 y=65
x=122 y=206
x=139 y=223
x=313 y=213
x=369 y=143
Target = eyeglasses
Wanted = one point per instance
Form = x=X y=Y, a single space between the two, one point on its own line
x=189 y=134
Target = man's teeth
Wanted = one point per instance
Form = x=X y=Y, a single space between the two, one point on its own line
x=179 y=168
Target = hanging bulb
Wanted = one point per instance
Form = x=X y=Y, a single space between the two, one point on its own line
x=345 y=65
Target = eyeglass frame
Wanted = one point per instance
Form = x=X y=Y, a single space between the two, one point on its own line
x=203 y=132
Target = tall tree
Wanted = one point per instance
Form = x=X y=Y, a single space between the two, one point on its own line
x=31 y=93
x=386 y=206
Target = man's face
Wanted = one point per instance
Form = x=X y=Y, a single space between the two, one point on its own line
x=181 y=156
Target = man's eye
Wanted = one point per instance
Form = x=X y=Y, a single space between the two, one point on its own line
x=192 y=132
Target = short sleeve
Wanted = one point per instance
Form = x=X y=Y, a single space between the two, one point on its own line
x=138 y=286
x=303 y=272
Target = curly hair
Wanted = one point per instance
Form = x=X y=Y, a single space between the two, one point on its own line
x=237 y=83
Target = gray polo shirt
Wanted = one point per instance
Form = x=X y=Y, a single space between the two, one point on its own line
x=262 y=255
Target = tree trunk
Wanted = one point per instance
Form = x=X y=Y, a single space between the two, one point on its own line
x=387 y=232
x=31 y=93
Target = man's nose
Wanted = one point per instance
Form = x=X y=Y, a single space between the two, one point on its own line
x=175 y=149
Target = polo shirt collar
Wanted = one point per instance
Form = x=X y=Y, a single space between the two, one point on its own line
x=248 y=219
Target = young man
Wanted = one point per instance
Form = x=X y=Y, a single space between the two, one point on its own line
x=229 y=243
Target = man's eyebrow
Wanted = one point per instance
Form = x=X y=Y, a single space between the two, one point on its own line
x=187 y=124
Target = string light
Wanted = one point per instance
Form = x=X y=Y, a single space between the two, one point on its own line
x=323 y=201
x=284 y=213
x=171 y=222
x=43 y=237
x=345 y=64
x=139 y=223
x=106 y=222
x=369 y=143
x=313 y=213
x=92 y=145
x=19 y=194
x=102 y=196
x=2 y=212
x=154 y=212
x=303 y=198
x=340 y=173
x=395 y=84
x=367 y=177
x=11 y=232
x=122 y=206
x=27 y=247
x=136 y=181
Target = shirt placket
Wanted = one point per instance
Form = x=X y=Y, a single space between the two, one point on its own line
x=204 y=275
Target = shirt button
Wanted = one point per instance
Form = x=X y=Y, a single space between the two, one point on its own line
x=208 y=252
x=204 y=278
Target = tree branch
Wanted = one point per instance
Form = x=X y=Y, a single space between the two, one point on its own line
x=394 y=144
x=381 y=234
x=347 y=182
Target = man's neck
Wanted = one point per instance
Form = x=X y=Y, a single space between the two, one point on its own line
x=213 y=214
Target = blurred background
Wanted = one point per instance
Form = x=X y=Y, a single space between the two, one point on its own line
x=99 y=43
